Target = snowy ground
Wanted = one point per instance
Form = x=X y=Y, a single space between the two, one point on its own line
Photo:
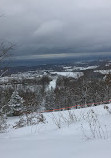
x=70 y=68
x=84 y=68
x=103 y=71
x=72 y=140
x=69 y=74
x=52 y=84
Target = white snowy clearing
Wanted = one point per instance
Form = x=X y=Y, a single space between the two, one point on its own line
x=69 y=74
x=52 y=84
x=70 y=68
x=86 y=135
x=84 y=68
x=103 y=71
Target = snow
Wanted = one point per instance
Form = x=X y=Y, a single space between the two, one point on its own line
x=70 y=68
x=47 y=141
x=84 y=68
x=103 y=71
x=52 y=84
x=69 y=74
x=67 y=67
x=20 y=76
x=108 y=64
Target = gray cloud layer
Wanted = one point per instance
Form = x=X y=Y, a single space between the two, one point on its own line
x=41 y=27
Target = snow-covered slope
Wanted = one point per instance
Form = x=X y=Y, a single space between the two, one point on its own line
x=74 y=138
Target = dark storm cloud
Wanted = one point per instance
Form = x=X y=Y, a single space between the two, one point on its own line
x=50 y=27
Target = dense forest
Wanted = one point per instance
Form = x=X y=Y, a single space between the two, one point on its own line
x=68 y=92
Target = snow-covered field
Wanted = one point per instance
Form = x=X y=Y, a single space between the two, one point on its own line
x=74 y=138
x=103 y=71
x=84 y=68
x=69 y=74
x=69 y=68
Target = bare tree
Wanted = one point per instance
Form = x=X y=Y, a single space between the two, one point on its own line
x=5 y=49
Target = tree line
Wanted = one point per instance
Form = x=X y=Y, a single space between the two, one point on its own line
x=68 y=92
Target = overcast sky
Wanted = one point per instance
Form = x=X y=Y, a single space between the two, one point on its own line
x=56 y=28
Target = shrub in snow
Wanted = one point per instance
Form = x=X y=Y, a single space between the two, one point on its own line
x=21 y=123
x=96 y=130
x=67 y=119
x=15 y=104
x=107 y=108
x=30 y=119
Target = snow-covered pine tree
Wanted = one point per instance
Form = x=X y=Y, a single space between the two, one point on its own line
x=15 y=104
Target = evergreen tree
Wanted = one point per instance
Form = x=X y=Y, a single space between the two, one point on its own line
x=15 y=104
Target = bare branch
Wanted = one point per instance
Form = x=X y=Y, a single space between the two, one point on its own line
x=5 y=50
